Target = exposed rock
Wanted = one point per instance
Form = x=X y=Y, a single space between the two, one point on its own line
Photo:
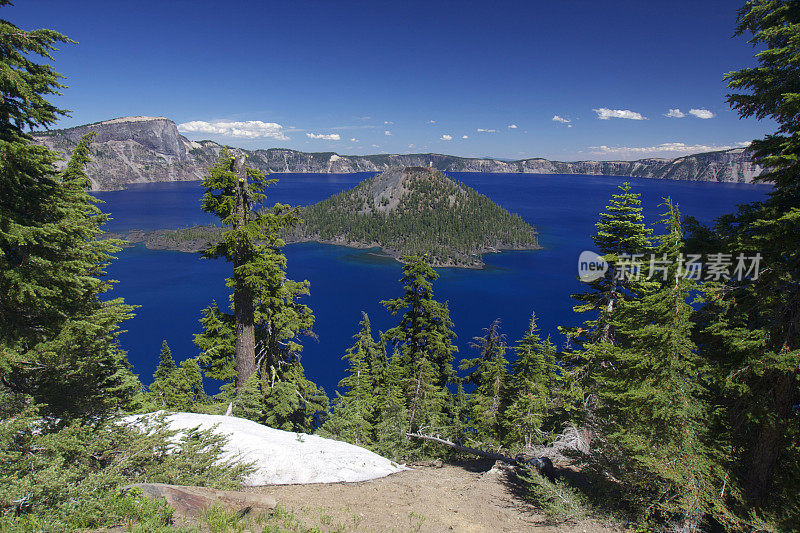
x=150 y=149
x=189 y=501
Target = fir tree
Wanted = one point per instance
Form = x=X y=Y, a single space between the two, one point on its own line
x=179 y=388
x=261 y=293
x=57 y=339
x=423 y=350
x=60 y=344
x=621 y=234
x=294 y=403
x=261 y=337
x=622 y=239
x=217 y=343
x=489 y=375
x=653 y=413
x=393 y=414
x=355 y=412
x=750 y=325
x=166 y=364
x=532 y=388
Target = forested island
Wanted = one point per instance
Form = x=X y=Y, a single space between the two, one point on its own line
x=403 y=211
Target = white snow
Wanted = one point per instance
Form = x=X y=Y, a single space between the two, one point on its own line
x=285 y=457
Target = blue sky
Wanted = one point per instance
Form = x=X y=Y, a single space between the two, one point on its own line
x=564 y=80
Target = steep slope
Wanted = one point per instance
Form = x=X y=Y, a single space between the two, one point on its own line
x=149 y=149
x=417 y=210
x=135 y=150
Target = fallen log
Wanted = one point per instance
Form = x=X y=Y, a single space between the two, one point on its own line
x=542 y=464
x=466 y=449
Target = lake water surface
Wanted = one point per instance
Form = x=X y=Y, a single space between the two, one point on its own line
x=172 y=288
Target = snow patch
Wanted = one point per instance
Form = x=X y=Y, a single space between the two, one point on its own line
x=285 y=457
x=335 y=157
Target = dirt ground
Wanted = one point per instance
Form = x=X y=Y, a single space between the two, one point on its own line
x=470 y=497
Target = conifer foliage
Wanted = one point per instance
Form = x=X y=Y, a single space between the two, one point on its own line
x=57 y=338
x=532 y=396
x=260 y=336
x=488 y=373
x=355 y=413
x=423 y=349
x=652 y=412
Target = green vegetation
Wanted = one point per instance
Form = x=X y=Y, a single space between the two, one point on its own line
x=417 y=211
x=65 y=384
x=259 y=338
x=685 y=410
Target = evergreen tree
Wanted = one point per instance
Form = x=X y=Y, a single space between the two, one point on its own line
x=261 y=292
x=294 y=403
x=179 y=388
x=653 y=412
x=532 y=388
x=489 y=375
x=750 y=325
x=355 y=412
x=621 y=234
x=622 y=238
x=260 y=337
x=217 y=343
x=393 y=414
x=166 y=364
x=59 y=340
x=423 y=350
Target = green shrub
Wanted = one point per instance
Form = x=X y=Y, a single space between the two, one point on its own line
x=64 y=477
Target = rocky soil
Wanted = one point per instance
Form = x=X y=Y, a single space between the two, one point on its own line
x=470 y=497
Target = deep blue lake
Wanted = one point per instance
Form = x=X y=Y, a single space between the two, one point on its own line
x=172 y=288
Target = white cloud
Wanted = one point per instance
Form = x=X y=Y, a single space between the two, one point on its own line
x=512 y=126
x=446 y=137
x=353 y=140
x=324 y=137
x=431 y=122
x=249 y=129
x=482 y=130
x=702 y=113
x=562 y=120
x=673 y=149
x=465 y=136
x=388 y=122
x=675 y=113
x=604 y=113
x=387 y=132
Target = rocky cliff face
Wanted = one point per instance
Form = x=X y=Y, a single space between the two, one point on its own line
x=148 y=149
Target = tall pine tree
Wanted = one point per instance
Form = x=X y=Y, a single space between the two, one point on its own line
x=58 y=340
x=653 y=412
x=489 y=375
x=750 y=321
x=423 y=355
x=532 y=391
x=622 y=239
x=355 y=412
x=260 y=335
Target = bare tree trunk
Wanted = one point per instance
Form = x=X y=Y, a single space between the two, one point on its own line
x=467 y=449
x=242 y=297
x=763 y=458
